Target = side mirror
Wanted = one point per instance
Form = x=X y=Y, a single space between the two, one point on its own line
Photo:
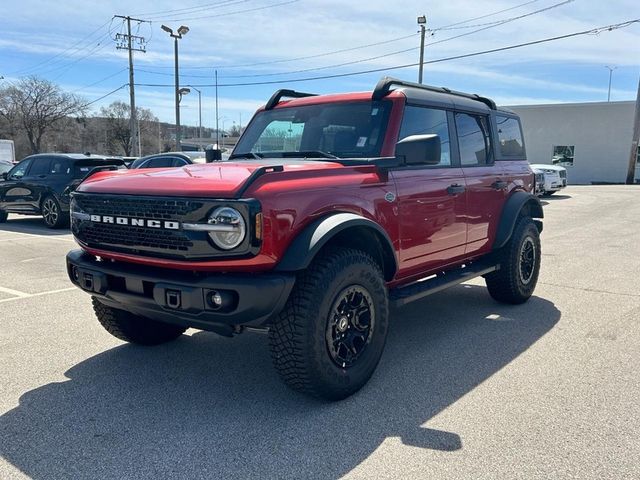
x=419 y=149
x=213 y=155
x=5 y=175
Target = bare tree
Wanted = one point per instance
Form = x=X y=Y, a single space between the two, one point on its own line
x=37 y=105
x=118 y=131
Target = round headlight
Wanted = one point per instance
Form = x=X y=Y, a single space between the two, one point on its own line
x=229 y=227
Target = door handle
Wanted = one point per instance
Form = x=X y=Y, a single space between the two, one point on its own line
x=455 y=189
x=499 y=185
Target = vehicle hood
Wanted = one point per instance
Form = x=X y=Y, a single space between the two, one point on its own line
x=544 y=166
x=220 y=179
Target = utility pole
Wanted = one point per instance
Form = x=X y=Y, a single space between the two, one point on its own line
x=422 y=22
x=131 y=43
x=217 y=130
x=611 y=69
x=633 y=156
x=199 y=110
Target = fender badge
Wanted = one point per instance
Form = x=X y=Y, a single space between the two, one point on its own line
x=390 y=197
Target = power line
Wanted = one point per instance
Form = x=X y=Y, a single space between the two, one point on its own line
x=105 y=95
x=255 y=9
x=196 y=7
x=390 y=54
x=452 y=25
x=201 y=9
x=102 y=80
x=596 y=30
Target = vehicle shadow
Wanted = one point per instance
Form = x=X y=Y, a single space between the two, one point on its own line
x=31 y=225
x=208 y=406
x=557 y=197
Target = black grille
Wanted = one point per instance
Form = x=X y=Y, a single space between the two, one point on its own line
x=136 y=237
x=152 y=208
x=563 y=174
x=147 y=240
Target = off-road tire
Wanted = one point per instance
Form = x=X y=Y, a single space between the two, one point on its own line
x=299 y=339
x=3 y=216
x=52 y=214
x=133 y=328
x=511 y=283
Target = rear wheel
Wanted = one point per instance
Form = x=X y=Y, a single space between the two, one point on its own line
x=519 y=262
x=52 y=214
x=133 y=328
x=330 y=336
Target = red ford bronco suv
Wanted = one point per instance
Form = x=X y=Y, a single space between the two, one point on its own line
x=330 y=209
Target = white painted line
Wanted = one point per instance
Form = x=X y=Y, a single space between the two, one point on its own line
x=31 y=295
x=11 y=291
x=36 y=237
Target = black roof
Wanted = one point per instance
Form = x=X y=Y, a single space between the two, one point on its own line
x=76 y=156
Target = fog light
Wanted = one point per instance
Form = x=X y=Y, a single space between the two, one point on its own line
x=216 y=299
x=74 y=273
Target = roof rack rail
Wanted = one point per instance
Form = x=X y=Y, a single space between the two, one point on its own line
x=280 y=94
x=383 y=88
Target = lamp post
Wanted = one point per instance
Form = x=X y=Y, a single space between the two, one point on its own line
x=422 y=22
x=182 y=30
x=611 y=69
x=199 y=110
x=222 y=119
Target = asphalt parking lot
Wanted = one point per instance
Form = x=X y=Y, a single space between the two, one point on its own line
x=467 y=388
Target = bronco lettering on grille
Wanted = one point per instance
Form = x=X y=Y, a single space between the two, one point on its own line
x=135 y=222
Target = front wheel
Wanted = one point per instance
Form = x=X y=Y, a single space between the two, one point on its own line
x=330 y=336
x=133 y=328
x=519 y=261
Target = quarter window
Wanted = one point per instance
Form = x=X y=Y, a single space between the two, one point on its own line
x=425 y=121
x=473 y=139
x=563 y=155
x=510 y=137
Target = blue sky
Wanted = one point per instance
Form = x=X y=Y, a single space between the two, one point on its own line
x=71 y=43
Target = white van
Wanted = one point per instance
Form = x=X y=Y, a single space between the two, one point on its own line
x=7 y=151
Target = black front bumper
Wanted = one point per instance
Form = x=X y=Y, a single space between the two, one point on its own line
x=183 y=298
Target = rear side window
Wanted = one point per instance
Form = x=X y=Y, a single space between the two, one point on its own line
x=474 y=140
x=424 y=121
x=158 y=162
x=510 y=137
x=59 y=166
x=40 y=166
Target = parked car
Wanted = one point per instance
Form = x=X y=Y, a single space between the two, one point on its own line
x=539 y=181
x=330 y=209
x=40 y=184
x=555 y=177
x=169 y=159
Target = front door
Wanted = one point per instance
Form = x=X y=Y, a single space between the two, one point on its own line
x=431 y=200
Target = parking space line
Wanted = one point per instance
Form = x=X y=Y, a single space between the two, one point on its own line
x=30 y=295
x=34 y=236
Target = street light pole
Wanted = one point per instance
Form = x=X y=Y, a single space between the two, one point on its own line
x=182 y=30
x=611 y=69
x=422 y=21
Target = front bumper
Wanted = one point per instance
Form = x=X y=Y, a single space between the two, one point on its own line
x=183 y=298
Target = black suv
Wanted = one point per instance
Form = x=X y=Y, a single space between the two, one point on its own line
x=40 y=184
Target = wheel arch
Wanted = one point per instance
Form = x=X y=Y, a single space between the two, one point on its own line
x=519 y=204
x=341 y=229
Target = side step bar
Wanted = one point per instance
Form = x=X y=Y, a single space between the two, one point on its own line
x=420 y=289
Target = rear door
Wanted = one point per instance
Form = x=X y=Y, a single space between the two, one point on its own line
x=485 y=180
x=36 y=180
x=431 y=199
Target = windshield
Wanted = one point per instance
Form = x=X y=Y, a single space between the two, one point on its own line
x=330 y=130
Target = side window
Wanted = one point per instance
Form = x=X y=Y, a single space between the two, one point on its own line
x=159 y=162
x=424 y=121
x=510 y=137
x=59 y=166
x=40 y=167
x=179 y=162
x=19 y=170
x=473 y=139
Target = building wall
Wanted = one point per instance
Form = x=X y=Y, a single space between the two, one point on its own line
x=600 y=132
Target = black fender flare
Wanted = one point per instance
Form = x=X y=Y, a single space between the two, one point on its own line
x=510 y=213
x=310 y=241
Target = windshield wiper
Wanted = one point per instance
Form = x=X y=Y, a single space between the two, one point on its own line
x=253 y=155
x=313 y=153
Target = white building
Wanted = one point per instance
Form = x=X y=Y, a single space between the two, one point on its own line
x=592 y=140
